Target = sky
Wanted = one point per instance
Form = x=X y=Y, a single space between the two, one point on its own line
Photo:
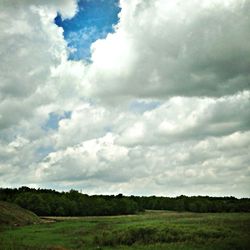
x=93 y=20
x=142 y=97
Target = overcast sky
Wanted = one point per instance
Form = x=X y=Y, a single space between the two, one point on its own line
x=143 y=97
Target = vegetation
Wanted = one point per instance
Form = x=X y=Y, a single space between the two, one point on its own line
x=13 y=215
x=150 y=230
x=72 y=203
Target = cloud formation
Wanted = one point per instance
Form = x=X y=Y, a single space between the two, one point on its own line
x=163 y=108
x=167 y=48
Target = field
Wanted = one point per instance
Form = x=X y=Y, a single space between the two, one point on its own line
x=150 y=230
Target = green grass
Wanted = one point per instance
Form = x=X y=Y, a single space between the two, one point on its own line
x=150 y=231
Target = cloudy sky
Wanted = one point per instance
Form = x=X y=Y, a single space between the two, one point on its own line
x=136 y=97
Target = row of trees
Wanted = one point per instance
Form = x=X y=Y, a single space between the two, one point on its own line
x=73 y=203
x=201 y=204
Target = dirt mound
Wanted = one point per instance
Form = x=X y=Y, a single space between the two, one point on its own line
x=13 y=215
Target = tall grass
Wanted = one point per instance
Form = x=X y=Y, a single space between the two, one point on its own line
x=149 y=235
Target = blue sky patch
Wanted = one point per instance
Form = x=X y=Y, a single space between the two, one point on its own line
x=44 y=151
x=53 y=121
x=142 y=106
x=93 y=21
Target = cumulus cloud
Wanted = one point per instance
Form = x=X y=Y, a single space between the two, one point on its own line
x=87 y=122
x=202 y=147
x=67 y=8
x=86 y=160
x=31 y=47
x=148 y=169
x=180 y=119
x=33 y=57
x=166 y=48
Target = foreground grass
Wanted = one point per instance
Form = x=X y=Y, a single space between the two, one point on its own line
x=150 y=230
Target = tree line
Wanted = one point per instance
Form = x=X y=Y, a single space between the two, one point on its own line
x=73 y=203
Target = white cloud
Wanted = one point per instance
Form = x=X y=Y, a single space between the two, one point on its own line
x=189 y=167
x=180 y=119
x=87 y=122
x=166 y=48
x=67 y=8
x=83 y=161
x=33 y=52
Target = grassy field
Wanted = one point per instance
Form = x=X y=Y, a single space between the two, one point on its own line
x=150 y=230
